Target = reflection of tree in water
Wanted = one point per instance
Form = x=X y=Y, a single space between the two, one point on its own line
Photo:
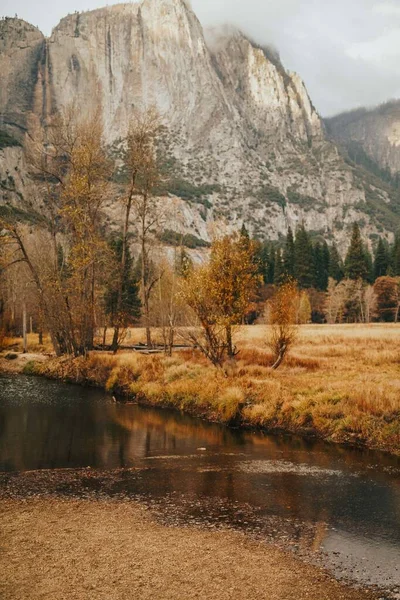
x=84 y=429
x=167 y=426
x=321 y=531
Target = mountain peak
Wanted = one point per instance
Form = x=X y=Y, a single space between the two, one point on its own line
x=241 y=138
x=18 y=28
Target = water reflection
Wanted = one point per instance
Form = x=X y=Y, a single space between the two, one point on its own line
x=348 y=501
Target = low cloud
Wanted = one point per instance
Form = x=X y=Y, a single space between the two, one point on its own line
x=346 y=51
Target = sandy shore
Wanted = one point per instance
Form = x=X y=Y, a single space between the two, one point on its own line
x=72 y=549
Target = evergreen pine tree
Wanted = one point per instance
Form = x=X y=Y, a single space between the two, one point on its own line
x=369 y=265
x=244 y=233
x=304 y=259
x=183 y=263
x=326 y=257
x=356 y=266
x=130 y=305
x=279 y=271
x=395 y=256
x=381 y=262
x=270 y=272
x=317 y=259
x=336 y=270
x=321 y=263
x=262 y=258
x=289 y=255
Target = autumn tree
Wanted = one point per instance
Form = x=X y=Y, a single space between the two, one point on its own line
x=304 y=310
x=66 y=261
x=219 y=293
x=167 y=304
x=18 y=297
x=140 y=174
x=146 y=175
x=282 y=318
x=335 y=301
x=388 y=298
x=370 y=304
x=235 y=279
x=205 y=332
x=84 y=192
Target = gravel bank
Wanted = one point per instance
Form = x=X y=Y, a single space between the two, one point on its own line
x=75 y=549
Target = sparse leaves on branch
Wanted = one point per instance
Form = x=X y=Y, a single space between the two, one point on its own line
x=283 y=319
x=220 y=292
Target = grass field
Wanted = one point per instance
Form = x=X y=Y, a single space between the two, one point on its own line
x=340 y=382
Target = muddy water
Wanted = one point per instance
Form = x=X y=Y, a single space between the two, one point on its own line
x=334 y=505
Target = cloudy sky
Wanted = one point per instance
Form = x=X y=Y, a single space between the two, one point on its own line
x=347 y=51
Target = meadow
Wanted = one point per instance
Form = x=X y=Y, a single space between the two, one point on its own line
x=340 y=383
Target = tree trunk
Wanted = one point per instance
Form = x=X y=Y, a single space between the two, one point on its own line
x=114 y=345
x=229 y=343
x=149 y=342
x=280 y=358
x=144 y=277
x=24 y=332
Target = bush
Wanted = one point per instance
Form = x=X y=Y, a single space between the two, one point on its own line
x=188 y=191
x=7 y=140
x=30 y=368
x=304 y=201
x=270 y=194
x=189 y=240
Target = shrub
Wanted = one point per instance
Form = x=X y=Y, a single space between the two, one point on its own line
x=177 y=239
x=7 y=140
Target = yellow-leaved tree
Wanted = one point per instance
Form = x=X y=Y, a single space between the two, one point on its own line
x=283 y=319
x=219 y=294
x=142 y=175
x=66 y=262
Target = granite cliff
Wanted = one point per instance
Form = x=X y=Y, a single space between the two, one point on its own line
x=371 y=135
x=242 y=137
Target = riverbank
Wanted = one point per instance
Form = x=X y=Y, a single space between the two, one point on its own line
x=341 y=383
x=53 y=548
x=12 y=363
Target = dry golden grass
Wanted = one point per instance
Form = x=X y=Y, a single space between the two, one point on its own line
x=15 y=344
x=340 y=382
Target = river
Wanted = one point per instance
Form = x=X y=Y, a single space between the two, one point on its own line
x=336 y=506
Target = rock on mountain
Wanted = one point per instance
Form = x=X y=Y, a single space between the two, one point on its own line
x=372 y=135
x=242 y=138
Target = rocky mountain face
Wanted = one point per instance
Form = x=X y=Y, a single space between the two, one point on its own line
x=242 y=138
x=370 y=134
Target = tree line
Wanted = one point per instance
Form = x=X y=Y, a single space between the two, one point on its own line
x=78 y=276
x=362 y=287
x=312 y=264
x=74 y=271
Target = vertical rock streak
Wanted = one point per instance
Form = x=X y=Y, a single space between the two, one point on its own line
x=236 y=119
